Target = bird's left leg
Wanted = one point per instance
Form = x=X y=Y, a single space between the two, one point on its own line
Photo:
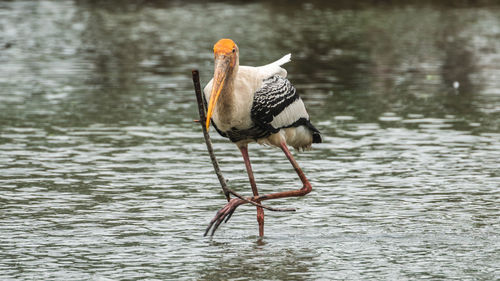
x=248 y=165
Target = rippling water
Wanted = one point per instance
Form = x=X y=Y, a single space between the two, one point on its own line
x=104 y=175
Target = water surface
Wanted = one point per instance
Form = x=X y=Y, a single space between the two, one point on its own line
x=104 y=176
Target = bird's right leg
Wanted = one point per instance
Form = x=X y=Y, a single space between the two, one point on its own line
x=225 y=213
x=260 y=211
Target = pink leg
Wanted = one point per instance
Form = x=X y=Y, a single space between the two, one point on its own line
x=260 y=211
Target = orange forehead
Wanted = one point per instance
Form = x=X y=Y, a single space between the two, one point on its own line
x=224 y=46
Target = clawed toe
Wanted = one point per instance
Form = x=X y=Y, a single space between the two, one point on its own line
x=223 y=215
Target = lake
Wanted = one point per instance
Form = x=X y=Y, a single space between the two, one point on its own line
x=105 y=176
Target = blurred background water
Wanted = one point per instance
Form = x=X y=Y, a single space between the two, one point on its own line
x=104 y=176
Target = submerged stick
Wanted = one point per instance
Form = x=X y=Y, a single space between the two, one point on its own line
x=218 y=172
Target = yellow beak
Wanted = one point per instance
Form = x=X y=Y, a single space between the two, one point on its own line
x=220 y=73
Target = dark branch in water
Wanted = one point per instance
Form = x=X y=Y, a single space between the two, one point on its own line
x=218 y=172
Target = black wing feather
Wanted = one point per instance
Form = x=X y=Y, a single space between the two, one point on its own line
x=271 y=99
x=275 y=95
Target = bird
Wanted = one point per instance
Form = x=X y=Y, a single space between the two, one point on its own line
x=256 y=104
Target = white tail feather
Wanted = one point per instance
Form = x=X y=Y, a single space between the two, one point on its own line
x=286 y=58
x=274 y=68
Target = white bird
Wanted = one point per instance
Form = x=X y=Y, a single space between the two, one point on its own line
x=256 y=104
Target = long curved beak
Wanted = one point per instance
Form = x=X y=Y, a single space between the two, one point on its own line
x=220 y=73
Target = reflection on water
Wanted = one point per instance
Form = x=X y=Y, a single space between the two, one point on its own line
x=104 y=175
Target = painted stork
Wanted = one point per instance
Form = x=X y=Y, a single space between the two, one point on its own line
x=256 y=104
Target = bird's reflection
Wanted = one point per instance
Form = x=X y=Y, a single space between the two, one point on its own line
x=257 y=260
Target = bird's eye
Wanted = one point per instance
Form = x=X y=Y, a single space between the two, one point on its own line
x=234 y=50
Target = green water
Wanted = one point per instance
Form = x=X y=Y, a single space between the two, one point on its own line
x=104 y=176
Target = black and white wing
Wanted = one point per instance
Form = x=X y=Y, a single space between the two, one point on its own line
x=277 y=105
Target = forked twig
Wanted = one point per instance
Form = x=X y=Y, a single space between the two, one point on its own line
x=218 y=172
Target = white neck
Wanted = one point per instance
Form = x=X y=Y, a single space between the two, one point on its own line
x=226 y=103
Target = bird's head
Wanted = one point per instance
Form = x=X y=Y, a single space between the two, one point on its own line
x=226 y=60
